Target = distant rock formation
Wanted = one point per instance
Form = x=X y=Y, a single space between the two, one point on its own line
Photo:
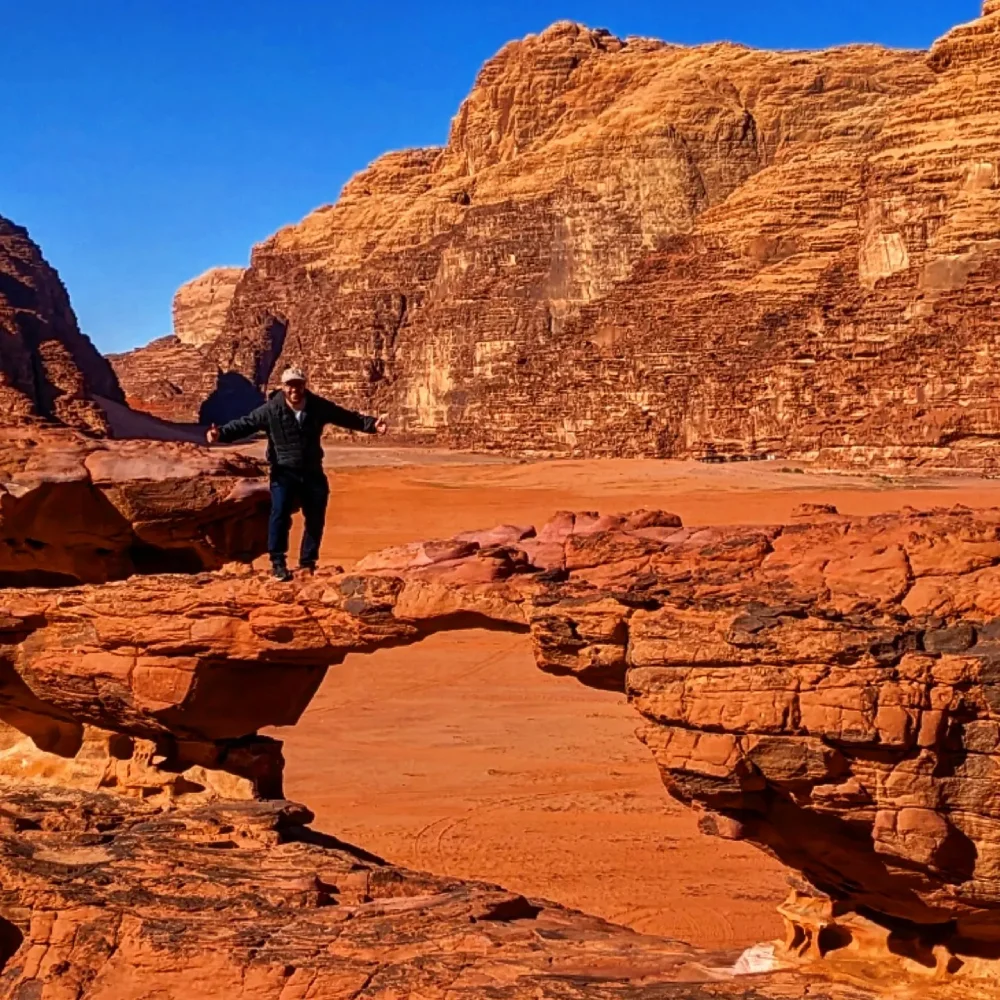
x=48 y=369
x=200 y=306
x=168 y=378
x=175 y=377
x=635 y=248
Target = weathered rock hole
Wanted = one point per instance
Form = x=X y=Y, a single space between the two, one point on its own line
x=512 y=909
x=916 y=948
x=11 y=940
x=121 y=747
x=147 y=559
x=183 y=786
x=833 y=938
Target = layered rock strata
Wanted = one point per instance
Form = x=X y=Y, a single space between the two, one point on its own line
x=105 y=898
x=822 y=689
x=74 y=509
x=48 y=368
x=167 y=378
x=636 y=248
x=200 y=306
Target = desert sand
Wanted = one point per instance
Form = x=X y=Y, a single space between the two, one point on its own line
x=458 y=756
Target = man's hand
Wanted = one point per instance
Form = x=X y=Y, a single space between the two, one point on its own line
x=382 y=425
x=212 y=436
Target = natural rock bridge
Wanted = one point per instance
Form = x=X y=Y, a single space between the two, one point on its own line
x=827 y=690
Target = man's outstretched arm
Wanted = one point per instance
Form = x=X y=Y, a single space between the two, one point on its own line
x=255 y=420
x=350 y=420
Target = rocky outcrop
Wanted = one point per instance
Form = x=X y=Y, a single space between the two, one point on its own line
x=200 y=306
x=104 y=897
x=169 y=379
x=48 y=369
x=634 y=248
x=823 y=689
x=76 y=509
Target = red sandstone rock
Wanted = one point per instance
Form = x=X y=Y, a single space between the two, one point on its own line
x=824 y=690
x=75 y=509
x=629 y=247
x=105 y=898
x=47 y=367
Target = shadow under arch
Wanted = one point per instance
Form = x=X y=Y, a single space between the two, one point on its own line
x=457 y=755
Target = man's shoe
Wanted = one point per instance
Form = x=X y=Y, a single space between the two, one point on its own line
x=309 y=568
x=280 y=573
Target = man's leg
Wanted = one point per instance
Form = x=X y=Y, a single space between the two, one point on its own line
x=282 y=505
x=315 y=494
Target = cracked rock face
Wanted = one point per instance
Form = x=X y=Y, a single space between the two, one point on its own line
x=104 y=898
x=48 y=368
x=75 y=509
x=834 y=212
x=824 y=689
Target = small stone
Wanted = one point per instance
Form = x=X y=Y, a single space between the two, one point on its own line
x=956 y=639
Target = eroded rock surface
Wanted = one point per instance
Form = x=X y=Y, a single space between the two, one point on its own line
x=103 y=898
x=823 y=689
x=200 y=306
x=75 y=509
x=635 y=248
x=47 y=367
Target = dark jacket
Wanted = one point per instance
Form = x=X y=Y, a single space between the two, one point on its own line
x=291 y=446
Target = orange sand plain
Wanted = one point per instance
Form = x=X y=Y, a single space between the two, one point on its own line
x=458 y=756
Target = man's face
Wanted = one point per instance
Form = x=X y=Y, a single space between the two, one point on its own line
x=295 y=392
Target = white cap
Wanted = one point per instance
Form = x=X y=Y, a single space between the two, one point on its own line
x=292 y=374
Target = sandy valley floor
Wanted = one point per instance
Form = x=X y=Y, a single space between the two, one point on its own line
x=458 y=756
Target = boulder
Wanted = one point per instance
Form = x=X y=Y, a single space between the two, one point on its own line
x=75 y=509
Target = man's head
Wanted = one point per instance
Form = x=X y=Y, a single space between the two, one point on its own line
x=293 y=385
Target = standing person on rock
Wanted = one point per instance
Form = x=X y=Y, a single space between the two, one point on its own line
x=294 y=419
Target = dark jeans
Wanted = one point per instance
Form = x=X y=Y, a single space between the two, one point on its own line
x=292 y=491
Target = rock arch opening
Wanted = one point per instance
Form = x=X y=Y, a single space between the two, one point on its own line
x=457 y=755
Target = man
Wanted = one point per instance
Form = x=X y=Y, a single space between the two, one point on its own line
x=294 y=419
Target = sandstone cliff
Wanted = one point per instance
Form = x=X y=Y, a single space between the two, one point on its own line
x=47 y=367
x=630 y=247
x=200 y=306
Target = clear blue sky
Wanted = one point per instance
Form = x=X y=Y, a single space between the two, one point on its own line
x=148 y=140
